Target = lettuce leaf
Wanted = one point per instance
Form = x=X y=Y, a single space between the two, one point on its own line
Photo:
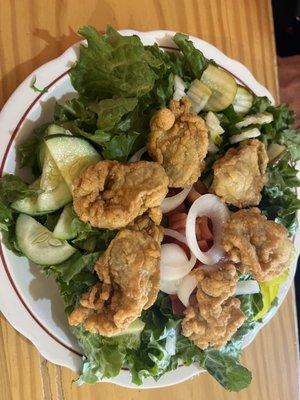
x=163 y=348
x=269 y=291
x=113 y=65
x=74 y=277
x=110 y=111
x=28 y=151
x=279 y=200
x=194 y=57
x=12 y=188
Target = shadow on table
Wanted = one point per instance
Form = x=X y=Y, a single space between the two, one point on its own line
x=53 y=48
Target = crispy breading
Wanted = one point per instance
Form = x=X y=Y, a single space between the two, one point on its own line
x=128 y=274
x=216 y=331
x=110 y=194
x=240 y=174
x=178 y=141
x=216 y=285
x=257 y=245
x=213 y=317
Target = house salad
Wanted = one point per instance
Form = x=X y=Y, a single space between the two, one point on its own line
x=163 y=203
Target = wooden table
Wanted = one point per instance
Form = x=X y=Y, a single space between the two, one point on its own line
x=33 y=32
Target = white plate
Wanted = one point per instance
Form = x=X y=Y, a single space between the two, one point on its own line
x=29 y=300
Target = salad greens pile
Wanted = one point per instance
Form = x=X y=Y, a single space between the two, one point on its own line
x=120 y=84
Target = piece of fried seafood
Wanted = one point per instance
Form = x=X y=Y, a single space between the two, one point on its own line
x=214 y=315
x=240 y=174
x=178 y=140
x=257 y=245
x=111 y=195
x=128 y=274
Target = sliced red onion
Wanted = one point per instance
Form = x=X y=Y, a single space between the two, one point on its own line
x=170 y=287
x=170 y=203
x=212 y=207
x=174 y=263
x=175 y=235
x=247 y=287
x=186 y=288
x=137 y=156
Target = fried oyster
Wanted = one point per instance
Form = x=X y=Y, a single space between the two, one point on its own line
x=178 y=140
x=214 y=316
x=128 y=274
x=257 y=245
x=111 y=195
x=240 y=174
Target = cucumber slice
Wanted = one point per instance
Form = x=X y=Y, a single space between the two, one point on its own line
x=222 y=85
x=259 y=119
x=29 y=205
x=199 y=93
x=56 y=192
x=247 y=134
x=55 y=195
x=38 y=244
x=52 y=129
x=63 y=229
x=275 y=152
x=71 y=155
x=179 y=88
x=243 y=100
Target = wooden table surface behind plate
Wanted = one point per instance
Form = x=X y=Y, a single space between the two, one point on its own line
x=33 y=32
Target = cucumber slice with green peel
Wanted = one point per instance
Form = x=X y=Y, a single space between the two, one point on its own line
x=243 y=100
x=63 y=229
x=275 y=152
x=199 y=93
x=38 y=244
x=56 y=192
x=135 y=328
x=222 y=85
x=71 y=155
x=52 y=129
x=29 y=205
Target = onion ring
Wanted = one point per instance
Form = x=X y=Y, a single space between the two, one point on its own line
x=169 y=287
x=137 y=156
x=174 y=263
x=175 y=235
x=186 y=288
x=212 y=207
x=170 y=203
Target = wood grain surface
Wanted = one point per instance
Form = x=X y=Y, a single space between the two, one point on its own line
x=33 y=32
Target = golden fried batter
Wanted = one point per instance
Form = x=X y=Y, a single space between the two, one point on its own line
x=178 y=141
x=218 y=330
x=128 y=272
x=216 y=285
x=214 y=317
x=258 y=245
x=110 y=194
x=240 y=175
